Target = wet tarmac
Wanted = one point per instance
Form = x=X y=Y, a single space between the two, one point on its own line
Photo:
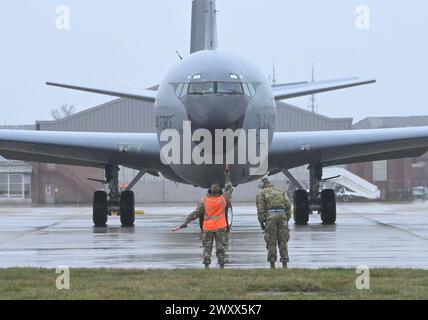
x=369 y=234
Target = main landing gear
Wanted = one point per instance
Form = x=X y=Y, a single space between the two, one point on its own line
x=324 y=202
x=114 y=202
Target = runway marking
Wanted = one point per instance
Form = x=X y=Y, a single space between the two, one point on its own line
x=386 y=224
x=34 y=230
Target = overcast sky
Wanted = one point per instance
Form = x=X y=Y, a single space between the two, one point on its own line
x=132 y=43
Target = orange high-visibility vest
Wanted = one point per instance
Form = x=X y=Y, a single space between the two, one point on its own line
x=215 y=213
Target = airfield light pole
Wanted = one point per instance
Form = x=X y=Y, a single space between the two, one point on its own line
x=313 y=106
x=273 y=75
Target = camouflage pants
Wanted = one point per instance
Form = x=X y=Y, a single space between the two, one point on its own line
x=277 y=234
x=208 y=241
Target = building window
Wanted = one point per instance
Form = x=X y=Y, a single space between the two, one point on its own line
x=15 y=186
x=4 y=186
x=27 y=187
x=380 y=171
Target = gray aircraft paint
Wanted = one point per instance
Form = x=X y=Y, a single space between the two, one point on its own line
x=204 y=26
x=215 y=111
x=287 y=150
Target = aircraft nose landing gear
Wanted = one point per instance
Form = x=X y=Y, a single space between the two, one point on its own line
x=105 y=205
x=322 y=201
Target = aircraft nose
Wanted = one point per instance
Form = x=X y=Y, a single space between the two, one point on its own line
x=216 y=112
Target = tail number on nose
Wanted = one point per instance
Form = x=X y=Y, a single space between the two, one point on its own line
x=163 y=122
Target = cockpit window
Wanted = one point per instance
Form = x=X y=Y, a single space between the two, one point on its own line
x=230 y=88
x=179 y=89
x=221 y=87
x=202 y=88
x=251 y=89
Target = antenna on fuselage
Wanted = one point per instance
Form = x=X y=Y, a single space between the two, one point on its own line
x=179 y=55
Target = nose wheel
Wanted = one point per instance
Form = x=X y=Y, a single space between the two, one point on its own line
x=105 y=204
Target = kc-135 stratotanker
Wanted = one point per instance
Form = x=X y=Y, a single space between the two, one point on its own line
x=214 y=90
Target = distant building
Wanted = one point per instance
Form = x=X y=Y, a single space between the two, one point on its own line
x=15 y=177
x=395 y=178
x=391 y=122
x=15 y=181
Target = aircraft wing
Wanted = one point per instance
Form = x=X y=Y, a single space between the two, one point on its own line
x=139 y=150
x=294 y=149
x=294 y=90
x=136 y=94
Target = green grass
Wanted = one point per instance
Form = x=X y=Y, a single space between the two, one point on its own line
x=108 y=284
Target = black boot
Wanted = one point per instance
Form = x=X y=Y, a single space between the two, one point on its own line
x=272 y=265
x=284 y=265
x=207 y=266
x=221 y=265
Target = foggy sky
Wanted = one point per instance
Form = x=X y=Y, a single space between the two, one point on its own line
x=132 y=44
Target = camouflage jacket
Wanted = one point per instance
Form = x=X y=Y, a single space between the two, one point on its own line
x=200 y=210
x=272 y=198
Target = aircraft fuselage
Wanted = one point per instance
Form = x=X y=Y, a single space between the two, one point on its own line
x=214 y=90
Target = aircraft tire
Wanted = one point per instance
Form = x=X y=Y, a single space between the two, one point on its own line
x=301 y=207
x=328 y=207
x=100 y=209
x=127 y=208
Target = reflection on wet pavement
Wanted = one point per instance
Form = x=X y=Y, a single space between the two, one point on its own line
x=376 y=235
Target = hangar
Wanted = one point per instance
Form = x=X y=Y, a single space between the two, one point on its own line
x=16 y=177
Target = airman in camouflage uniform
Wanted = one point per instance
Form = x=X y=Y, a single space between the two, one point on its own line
x=219 y=236
x=274 y=212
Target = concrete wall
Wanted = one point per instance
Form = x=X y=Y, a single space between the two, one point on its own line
x=68 y=184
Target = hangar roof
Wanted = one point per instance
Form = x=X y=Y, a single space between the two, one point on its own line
x=124 y=115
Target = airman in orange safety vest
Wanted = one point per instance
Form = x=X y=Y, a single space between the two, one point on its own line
x=213 y=209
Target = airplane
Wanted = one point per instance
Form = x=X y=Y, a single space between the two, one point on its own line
x=214 y=90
